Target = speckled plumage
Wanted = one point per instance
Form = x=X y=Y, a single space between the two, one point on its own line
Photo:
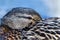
x=9 y=34
x=46 y=30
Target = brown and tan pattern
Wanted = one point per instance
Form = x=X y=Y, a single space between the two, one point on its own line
x=9 y=34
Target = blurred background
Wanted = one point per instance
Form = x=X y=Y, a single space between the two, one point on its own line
x=46 y=8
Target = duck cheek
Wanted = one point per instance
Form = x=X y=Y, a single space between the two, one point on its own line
x=19 y=24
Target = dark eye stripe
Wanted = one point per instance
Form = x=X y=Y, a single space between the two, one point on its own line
x=24 y=17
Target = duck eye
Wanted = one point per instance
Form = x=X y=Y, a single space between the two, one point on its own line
x=29 y=17
x=24 y=17
x=18 y=16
